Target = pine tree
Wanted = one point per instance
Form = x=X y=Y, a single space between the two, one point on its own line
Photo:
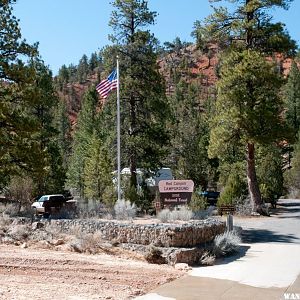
x=270 y=172
x=250 y=26
x=83 y=69
x=62 y=78
x=292 y=98
x=248 y=105
x=97 y=170
x=144 y=106
x=18 y=151
x=94 y=62
x=63 y=126
x=190 y=136
x=87 y=123
x=248 y=110
x=51 y=175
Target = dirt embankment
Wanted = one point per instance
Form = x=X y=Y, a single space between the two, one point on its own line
x=48 y=274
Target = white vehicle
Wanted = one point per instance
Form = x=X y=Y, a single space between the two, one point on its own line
x=47 y=203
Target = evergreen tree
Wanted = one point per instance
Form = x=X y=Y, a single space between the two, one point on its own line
x=87 y=123
x=63 y=126
x=292 y=98
x=248 y=110
x=270 y=172
x=292 y=175
x=62 y=78
x=144 y=106
x=248 y=107
x=190 y=136
x=51 y=175
x=250 y=26
x=83 y=69
x=97 y=170
x=18 y=151
x=94 y=62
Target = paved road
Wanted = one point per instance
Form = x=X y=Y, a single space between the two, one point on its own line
x=282 y=227
x=267 y=267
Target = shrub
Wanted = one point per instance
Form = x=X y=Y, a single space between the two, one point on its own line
x=90 y=243
x=124 y=210
x=21 y=189
x=164 y=215
x=5 y=221
x=235 y=187
x=207 y=259
x=92 y=209
x=19 y=232
x=293 y=193
x=181 y=214
x=10 y=209
x=26 y=212
x=198 y=202
x=40 y=235
x=226 y=243
x=243 y=206
x=154 y=256
x=204 y=214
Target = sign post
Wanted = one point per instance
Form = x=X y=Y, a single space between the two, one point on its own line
x=175 y=192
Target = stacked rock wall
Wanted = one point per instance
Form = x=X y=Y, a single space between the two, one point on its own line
x=189 y=234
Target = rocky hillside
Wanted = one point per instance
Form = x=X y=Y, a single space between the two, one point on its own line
x=188 y=63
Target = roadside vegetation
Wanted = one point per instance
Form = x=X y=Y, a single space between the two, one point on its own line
x=234 y=130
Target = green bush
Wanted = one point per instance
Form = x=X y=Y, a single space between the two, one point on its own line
x=269 y=173
x=198 y=202
x=234 y=189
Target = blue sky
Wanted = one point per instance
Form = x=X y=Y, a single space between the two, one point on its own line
x=67 y=29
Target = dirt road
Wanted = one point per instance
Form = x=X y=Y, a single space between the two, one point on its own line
x=48 y=274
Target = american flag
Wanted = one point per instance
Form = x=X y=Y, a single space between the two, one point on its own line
x=108 y=84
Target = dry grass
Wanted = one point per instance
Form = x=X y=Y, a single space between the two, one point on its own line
x=19 y=232
x=154 y=256
x=5 y=221
x=124 y=210
x=207 y=259
x=182 y=214
x=89 y=243
x=9 y=209
x=226 y=243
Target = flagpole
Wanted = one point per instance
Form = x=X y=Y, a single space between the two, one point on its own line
x=118 y=132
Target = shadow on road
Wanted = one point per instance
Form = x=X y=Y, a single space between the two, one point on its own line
x=242 y=252
x=287 y=210
x=282 y=211
x=289 y=204
x=266 y=236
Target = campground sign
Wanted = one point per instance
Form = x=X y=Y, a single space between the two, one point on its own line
x=175 y=192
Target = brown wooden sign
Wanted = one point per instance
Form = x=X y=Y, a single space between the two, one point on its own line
x=175 y=192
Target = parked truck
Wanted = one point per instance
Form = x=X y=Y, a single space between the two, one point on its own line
x=53 y=205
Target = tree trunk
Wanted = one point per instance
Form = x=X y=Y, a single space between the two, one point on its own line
x=249 y=31
x=253 y=187
x=133 y=176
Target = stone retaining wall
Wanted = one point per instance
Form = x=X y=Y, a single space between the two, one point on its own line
x=189 y=234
